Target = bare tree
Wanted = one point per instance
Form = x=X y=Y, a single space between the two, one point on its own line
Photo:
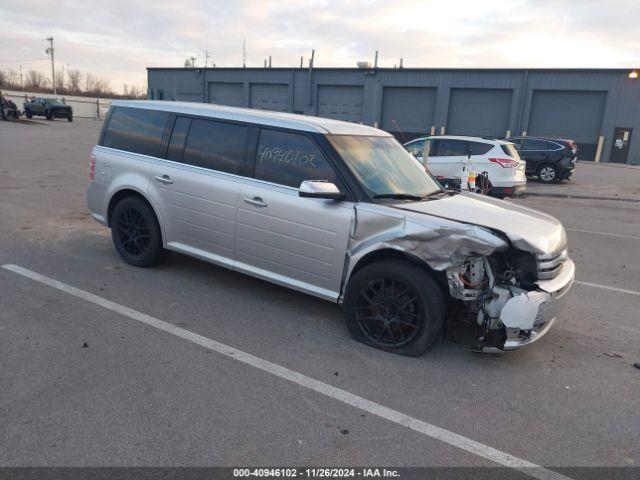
x=36 y=80
x=102 y=86
x=133 y=92
x=89 y=83
x=190 y=62
x=13 y=78
x=74 y=79
x=4 y=79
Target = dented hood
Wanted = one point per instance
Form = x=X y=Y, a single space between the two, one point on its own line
x=528 y=229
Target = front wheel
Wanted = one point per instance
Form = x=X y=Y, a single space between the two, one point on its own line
x=136 y=233
x=548 y=173
x=48 y=115
x=395 y=306
x=70 y=118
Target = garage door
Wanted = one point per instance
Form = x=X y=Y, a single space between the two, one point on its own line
x=270 y=96
x=226 y=94
x=479 y=111
x=568 y=114
x=408 y=112
x=340 y=102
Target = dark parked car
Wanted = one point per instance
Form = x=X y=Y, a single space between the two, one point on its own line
x=8 y=109
x=49 y=108
x=549 y=159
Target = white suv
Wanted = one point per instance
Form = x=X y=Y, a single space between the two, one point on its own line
x=447 y=154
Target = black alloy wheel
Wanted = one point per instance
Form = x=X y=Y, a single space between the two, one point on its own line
x=394 y=305
x=388 y=312
x=135 y=232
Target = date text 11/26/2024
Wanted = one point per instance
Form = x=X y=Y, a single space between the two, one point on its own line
x=316 y=472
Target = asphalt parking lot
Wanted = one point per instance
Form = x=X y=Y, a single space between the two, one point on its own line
x=90 y=384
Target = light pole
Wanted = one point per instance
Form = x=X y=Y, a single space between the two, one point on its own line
x=50 y=51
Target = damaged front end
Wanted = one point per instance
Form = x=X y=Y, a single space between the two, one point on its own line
x=513 y=297
x=508 y=271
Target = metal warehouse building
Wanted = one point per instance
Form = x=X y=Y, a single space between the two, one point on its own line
x=599 y=108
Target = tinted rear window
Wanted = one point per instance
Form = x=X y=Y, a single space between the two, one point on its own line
x=479 y=148
x=135 y=130
x=289 y=159
x=535 y=144
x=448 y=148
x=178 y=138
x=216 y=145
x=510 y=150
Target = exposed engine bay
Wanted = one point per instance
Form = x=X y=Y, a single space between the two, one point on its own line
x=501 y=294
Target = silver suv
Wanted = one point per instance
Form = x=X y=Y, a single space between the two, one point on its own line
x=333 y=209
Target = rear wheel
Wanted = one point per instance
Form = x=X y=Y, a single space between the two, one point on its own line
x=395 y=306
x=48 y=115
x=548 y=173
x=136 y=233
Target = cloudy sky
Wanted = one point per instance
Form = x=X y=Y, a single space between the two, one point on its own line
x=118 y=39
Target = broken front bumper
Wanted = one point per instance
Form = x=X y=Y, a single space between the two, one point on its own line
x=527 y=316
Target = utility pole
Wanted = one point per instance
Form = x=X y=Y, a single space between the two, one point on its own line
x=50 y=51
x=375 y=61
x=244 y=53
x=21 y=85
x=206 y=57
x=193 y=62
x=269 y=61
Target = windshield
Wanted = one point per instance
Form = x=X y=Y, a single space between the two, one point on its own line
x=383 y=166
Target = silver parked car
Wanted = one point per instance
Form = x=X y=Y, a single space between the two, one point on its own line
x=333 y=209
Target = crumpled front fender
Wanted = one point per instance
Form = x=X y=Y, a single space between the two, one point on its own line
x=439 y=242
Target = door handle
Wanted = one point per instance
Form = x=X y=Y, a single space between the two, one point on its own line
x=255 y=201
x=164 y=179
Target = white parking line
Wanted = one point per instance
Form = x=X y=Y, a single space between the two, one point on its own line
x=607 y=287
x=339 y=394
x=606 y=234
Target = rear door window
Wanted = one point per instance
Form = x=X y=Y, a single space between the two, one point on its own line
x=178 y=138
x=479 y=148
x=289 y=159
x=216 y=145
x=136 y=130
x=449 y=148
x=535 y=144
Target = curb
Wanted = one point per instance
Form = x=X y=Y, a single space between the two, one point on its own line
x=629 y=166
x=579 y=197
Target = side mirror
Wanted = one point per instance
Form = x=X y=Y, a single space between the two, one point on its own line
x=320 y=189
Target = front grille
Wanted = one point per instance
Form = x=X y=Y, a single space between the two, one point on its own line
x=549 y=265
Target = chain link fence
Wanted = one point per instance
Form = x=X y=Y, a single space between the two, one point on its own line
x=83 y=107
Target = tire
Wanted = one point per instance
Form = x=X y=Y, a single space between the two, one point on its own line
x=70 y=118
x=548 y=173
x=394 y=306
x=28 y=113
x=136 y=233
x=48 y=115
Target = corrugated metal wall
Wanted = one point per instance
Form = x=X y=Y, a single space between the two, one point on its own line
x=270 y=96
x=408 y=112
x=573 y=115
x=477 y=111
x=425 y=98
